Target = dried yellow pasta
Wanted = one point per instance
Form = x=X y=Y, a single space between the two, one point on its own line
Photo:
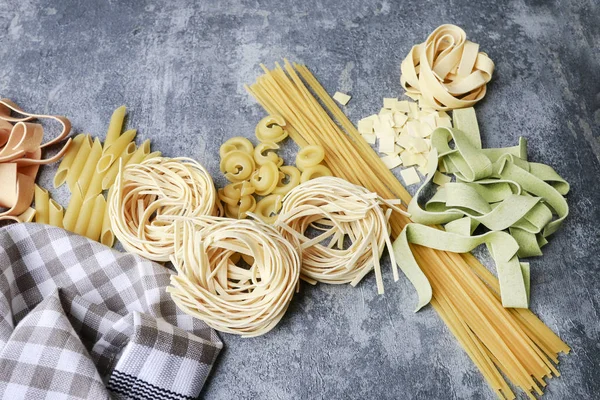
x=241 y=208
x=237 y=143
x=268 y=207
x=148 y=196
x=314 y=172
x=79 y=162
x=103 y=181
x=63 y=168
x=42 y=200
x=265 y=178
x=55 y=214
x=309 y=156
x=270 y=156
x=83 y=218
x=237 y=165
x=88 y=171
x=94 y=226
x=351 y=229
x=107 y=236
x=269 y=129
x=229 y=298
x=73 y=208
x=446 y=71
x=293 y=179
x=112 y=152
x=115 y=126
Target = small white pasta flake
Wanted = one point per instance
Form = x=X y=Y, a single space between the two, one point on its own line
x=341 y=98
x=410 y=176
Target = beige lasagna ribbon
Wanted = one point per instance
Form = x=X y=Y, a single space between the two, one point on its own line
x=20 y=157
x=447 y=71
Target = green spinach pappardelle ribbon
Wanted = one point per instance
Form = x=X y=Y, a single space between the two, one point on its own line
x=517 y=203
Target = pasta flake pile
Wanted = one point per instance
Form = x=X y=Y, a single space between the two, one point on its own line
x=403 y=132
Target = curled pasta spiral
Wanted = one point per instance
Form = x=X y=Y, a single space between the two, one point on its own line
x=446 y=71
x=351 y=230
x=147 y=196
x=209 y=285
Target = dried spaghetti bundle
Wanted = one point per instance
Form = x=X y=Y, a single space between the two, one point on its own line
x=210 y=285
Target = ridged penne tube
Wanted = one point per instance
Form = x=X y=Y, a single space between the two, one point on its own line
x=110 y=154
x=102 y=178
x=79 y=162
x=41 y=199
x=84 y=216
x=61 y=174
x=140 y=154
x=115 y=126
x=137 y=157
x=94 y=226
x=107 y=236
x=73 y=208
x=154 y=154
x=85 y=178
x=55 y=214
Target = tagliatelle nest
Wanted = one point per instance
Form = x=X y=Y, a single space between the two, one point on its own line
x=210 y=285
x=352 y=230
x=148 y=196
x=447 y=71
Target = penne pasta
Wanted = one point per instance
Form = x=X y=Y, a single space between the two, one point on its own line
x=96 y=219
x=152 y=155
x=63 y=169
x=55 y=213
x=109 y=178
x=72 y=211
x=107 y=236
x=41 y=198
x=79 y=162
x=83 y=218
x=110 y=154
x=115 y=126
x=141 y=153
x=87 y=173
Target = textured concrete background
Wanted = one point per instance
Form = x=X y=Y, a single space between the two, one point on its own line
x=181 y=65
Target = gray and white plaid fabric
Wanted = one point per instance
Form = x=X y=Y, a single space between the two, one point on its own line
x=81 y=321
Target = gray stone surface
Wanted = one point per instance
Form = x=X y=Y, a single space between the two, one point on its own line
x=181 y=65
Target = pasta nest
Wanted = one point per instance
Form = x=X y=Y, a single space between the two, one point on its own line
x=211 y=285
x=339 y=228
x=447 y=71
x=148 y=197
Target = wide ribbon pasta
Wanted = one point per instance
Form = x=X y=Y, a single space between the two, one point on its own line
x=495 y=188
x=21 y=144
x=446 y=71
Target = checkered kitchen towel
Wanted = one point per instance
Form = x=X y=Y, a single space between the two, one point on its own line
x=81 y=321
